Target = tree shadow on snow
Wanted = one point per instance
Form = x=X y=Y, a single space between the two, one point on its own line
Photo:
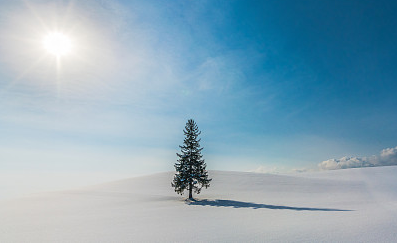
x=238 y=204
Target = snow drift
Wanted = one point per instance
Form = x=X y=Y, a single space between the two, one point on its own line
x=352 y=205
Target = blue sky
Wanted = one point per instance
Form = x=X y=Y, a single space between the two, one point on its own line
x=273 y=84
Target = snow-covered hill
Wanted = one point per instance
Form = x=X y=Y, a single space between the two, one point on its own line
x=352 y=205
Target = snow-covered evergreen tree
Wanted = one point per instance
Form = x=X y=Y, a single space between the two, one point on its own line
x=190 y=167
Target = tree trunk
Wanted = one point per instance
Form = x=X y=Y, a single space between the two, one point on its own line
x=190 y=191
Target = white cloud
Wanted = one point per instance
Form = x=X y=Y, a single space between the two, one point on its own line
x=281 y=170
x=269 y=169
x=302 y=170
x=387 y=157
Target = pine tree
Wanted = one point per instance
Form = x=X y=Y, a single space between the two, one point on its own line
x=190 y=167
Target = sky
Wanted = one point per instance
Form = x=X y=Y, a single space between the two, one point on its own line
x=274 y=86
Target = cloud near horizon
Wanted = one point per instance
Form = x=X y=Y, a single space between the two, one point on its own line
x=387 y=157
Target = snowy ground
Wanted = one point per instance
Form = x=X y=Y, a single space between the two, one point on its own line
x=352 y=205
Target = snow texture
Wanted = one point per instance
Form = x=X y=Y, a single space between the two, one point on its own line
x=351 y=205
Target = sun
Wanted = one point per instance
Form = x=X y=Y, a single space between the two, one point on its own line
x=57 y=44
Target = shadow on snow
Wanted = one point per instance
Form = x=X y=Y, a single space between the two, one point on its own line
x=238 y=204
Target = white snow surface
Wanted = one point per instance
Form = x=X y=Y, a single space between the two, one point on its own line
x=350 y=205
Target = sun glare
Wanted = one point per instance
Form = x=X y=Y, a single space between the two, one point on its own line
x=57 y=44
